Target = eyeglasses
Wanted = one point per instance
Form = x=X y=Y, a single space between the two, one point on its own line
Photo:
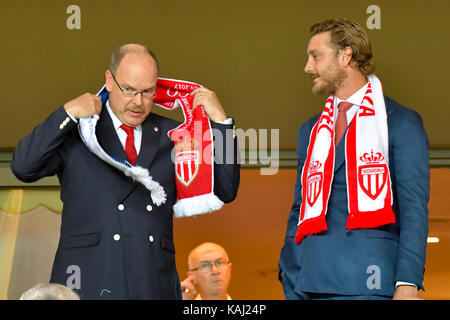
x=130 y=93
x=206 y=266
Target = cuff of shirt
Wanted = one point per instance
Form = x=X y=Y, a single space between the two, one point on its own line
x=402 y=283
x=75 y=120
x=226 y=121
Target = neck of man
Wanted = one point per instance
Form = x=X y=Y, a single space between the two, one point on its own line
x=354 y=81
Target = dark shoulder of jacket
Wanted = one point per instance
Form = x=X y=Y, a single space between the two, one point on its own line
x=310 y=123
x=396 y=111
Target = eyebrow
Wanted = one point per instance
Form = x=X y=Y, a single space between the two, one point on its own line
x=126 y=85
x=313 y=51
x=212 y=260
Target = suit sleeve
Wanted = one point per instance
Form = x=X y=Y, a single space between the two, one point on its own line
x=39 y=154
x=226 y=162
x=410 y=166
x=288 y=263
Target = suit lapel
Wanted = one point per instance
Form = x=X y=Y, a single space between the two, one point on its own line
x=339 y=156
x=108 y=139
x=149 y=147
x=107 y=136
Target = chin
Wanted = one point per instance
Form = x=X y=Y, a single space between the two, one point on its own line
x=135 y=122
x=318 y=90
x=323 y=90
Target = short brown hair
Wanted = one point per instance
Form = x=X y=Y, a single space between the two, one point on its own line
x=344 y=33
x=120 y=52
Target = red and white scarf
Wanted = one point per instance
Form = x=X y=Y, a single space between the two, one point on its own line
x=193 y=141
x=369 y=190
x=193 y=144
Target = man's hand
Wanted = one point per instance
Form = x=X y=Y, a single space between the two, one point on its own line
x=188 y=289
x=84 y=106
x=404 y=292
x=210 y=102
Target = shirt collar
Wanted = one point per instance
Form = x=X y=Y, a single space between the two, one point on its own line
x=356 y=98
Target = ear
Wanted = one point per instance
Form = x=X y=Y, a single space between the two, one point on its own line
x=346 y=56
x=109 y=81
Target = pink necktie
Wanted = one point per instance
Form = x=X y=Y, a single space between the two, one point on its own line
x=129 y=144
x=341 y=121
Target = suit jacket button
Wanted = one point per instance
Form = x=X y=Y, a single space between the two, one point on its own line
x=151 y=239
x=63 y=124
x=121 y=207
x=149 y=208
x=116 y=237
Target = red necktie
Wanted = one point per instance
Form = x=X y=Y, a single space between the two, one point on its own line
x=129 y=145
x=341 y=121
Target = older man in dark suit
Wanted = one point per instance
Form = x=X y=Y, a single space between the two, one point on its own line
x=114 y=239
x=380 y=254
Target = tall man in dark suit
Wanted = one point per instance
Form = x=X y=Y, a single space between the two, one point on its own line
x=327 y=254
x=115 y=243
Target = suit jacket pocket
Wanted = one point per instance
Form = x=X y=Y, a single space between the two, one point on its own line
x=377 y=233
x=82 y=240
x=167 y=243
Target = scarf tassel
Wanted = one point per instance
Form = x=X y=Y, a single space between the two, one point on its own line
x=205 y=203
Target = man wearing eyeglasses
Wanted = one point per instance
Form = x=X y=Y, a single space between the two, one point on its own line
x=114 y=242
x=209 y=273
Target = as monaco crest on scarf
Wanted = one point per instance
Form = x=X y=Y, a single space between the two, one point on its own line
x=314 y=183
x=187 y=165
x=373 y=175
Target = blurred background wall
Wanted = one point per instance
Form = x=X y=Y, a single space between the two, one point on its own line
x=252 y=54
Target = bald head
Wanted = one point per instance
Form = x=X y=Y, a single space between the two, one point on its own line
x=204 y=249
x=211 y=283
x=132 y=48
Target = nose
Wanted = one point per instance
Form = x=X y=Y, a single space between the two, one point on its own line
x=214 y=268
x=137 y=99
x=308 y=66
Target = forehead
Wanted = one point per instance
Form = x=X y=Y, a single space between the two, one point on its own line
x=137 y=70
x=319 y=42
x=210 y=253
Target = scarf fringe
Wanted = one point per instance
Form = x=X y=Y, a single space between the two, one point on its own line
x=205 y=203
x=141 y=175
x=310 y=227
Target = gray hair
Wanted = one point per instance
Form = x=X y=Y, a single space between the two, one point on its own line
x=120 y=52
x=49 y=291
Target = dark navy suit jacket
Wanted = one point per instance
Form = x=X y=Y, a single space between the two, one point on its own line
x=364 y=261
x=120 y=241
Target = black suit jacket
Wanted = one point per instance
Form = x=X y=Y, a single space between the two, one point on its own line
x=114 y=242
